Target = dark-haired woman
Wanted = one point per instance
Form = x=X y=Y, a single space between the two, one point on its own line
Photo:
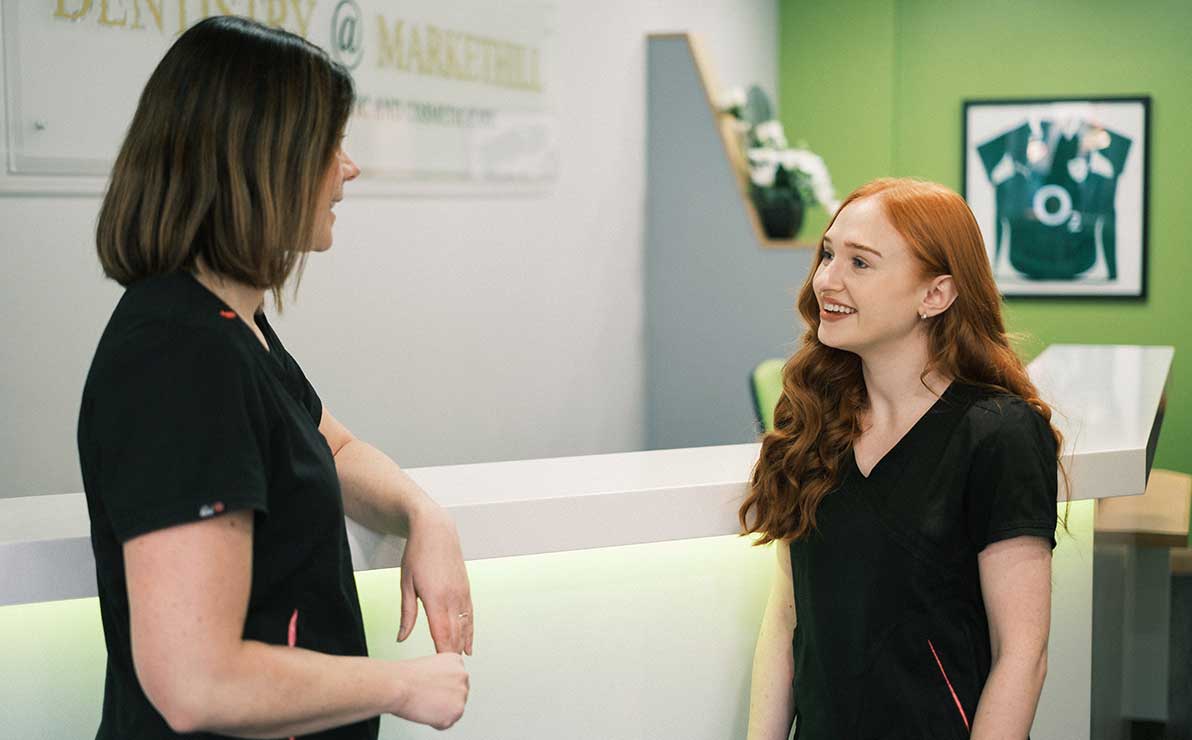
x=216 y=480
x=910 y=489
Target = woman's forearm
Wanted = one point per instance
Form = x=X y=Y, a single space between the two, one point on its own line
x=1007 y=706
x=771 y=703
x=376 y=491
x=269 y=691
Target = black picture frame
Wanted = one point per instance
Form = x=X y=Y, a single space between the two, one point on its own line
x=1060 y=187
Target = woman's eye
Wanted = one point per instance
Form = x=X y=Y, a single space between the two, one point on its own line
x=859 y=263
x=825 y=255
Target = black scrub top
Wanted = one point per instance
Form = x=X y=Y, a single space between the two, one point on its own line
x=186 y=416
x=891 y=639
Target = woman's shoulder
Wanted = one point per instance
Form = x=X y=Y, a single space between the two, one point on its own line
x=995 y=414
x=999 y=404
x=159 y=326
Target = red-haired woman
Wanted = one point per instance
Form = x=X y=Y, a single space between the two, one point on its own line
x=910 y=489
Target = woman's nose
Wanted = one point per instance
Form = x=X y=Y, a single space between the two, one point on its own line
x=825 y=277
x=350 y=168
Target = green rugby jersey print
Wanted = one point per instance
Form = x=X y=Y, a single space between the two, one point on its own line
x=1055 y=183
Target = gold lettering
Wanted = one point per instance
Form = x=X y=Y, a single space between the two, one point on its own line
x=416 y=51
x=515 y=65
x=106 y=20
x=469 y=59
x=501 y=65
x=275 y=12
x=487 y=75
x=433 y=48
x=429 y=50
x=222 y=5
x=304 y=21
x=61 y=12
x=519 y=67
x=447 y=53
x=183 y=23
x=392 y=48
x=154 y=8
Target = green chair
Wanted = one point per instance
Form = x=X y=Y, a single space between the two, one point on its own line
x=766 y=384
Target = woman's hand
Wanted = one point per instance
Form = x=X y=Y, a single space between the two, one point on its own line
x=378 y=494
x=435 y=689
x=188 y=591
x=432 y=569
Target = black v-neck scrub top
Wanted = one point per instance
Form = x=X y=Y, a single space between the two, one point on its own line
x=185 y=416
x=891 y=639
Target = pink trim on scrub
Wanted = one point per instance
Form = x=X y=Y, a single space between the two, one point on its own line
x=943 y=673
x=292 y=634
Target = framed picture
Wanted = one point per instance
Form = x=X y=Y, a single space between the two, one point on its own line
x=1059 y=188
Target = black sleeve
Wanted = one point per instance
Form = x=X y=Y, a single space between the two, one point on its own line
x=1013 y=483
x=180 y=432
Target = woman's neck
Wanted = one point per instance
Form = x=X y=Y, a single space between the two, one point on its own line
x=245 y=300
x=895 y=383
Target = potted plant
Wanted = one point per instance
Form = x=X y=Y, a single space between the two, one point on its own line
x=784 y=181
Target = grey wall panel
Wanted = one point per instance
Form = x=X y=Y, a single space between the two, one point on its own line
x=716 y=301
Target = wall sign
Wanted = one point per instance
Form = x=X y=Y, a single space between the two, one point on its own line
x=1059 y=189
x=453 y=97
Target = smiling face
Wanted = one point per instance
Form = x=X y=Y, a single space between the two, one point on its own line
x=342 y=170
x=869 y=285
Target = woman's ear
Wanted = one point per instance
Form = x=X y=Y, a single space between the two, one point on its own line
x=940 y=294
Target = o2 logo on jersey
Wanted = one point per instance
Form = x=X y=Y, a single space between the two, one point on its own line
x=347 y=34
x=1062 y=213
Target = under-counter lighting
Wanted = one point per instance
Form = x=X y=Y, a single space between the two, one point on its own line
x=655 y=629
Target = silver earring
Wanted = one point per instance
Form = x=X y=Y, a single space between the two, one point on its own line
x=923 y=316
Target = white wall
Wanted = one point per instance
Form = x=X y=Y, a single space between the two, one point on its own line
x=442 y=330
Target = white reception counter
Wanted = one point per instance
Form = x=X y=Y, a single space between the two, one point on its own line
x=1109 y=402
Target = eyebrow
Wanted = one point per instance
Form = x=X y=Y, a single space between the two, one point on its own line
x=855 y=245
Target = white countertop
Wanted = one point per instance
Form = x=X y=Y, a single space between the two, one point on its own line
x=1108 y=401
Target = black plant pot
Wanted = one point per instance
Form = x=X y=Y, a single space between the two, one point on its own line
x=780 y=211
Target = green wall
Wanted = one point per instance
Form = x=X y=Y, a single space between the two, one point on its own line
x=875 y=87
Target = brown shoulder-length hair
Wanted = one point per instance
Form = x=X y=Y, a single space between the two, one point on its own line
x=225 y=156
x=823 y=393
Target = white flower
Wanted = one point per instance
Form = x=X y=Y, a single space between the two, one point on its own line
x=813 y=166
x=770 y=134
x=763 y=174
x=763 y=166
x=761 y=155
x=804 y=161
x=733 y=99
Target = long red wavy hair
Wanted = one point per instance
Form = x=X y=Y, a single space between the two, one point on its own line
x=818 y=415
